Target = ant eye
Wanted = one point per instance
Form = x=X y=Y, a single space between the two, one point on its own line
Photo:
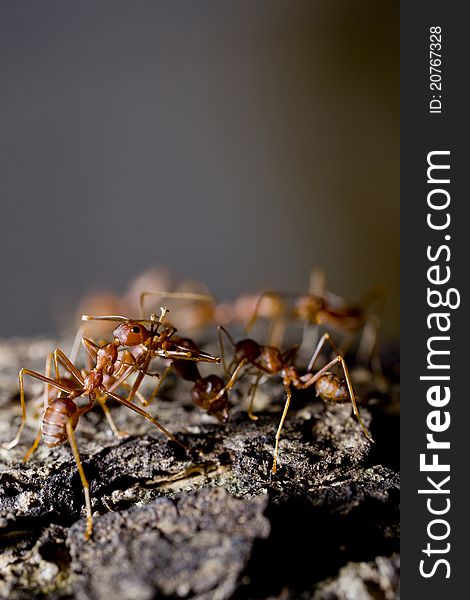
x=136 y=330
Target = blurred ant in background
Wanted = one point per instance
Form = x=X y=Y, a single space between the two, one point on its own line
x=321 y=308
x=195 y=310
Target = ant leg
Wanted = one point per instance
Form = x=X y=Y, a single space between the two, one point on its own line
x=125 y=360
x=311 y=380
x=367 y=351
x=158 y=386
x=90 y=347
x=326 y=337
x=76 y=343
x=107 y=413
x=316 y=288
x=374 y=357
x=254 y=316
x=124 y=371
x=34 y=446
x=375 y=296
x=81 y=472
x=310 y=333
x=366 y=343
x=136 y=384
x=144 y=414
x=87 y=407
x=122 y=378
x=68 y=362
x=353 y=398
x=279 y=429
x=277 y=330
x=278 y=313
x=221 y=329
x=254 y=387
x=60 y=357
x=46 y=387
x=317 y=282
x=126 y=386
x=132 y=368
x=232 y=380
x=52 y=382
x=37 y=439
x=142 y=372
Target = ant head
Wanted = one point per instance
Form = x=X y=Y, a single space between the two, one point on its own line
x=131 y=333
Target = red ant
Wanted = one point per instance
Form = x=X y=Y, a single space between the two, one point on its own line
x=61 y=414
x=267 y=360
x=177 y=349
x=319 y=307
x=209 y=393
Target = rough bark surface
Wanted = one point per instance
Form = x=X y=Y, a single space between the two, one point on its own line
x=211 y=524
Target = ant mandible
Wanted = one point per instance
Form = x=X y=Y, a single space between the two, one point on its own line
x=268 y=360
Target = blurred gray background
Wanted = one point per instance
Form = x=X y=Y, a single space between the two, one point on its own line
x=235 y=142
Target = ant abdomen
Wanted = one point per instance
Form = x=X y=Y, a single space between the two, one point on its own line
x=332 y=388
x=54 y=424
x=206 y=393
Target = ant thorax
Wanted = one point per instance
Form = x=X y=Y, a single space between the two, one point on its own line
x=290 y=376
x=272 y=358
x=106 y=358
